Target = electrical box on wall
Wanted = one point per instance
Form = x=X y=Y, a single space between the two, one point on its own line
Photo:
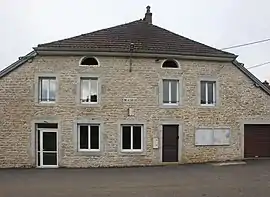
x=131 y=112
x=155 y=142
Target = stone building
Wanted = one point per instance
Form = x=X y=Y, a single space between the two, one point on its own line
x=133 y=94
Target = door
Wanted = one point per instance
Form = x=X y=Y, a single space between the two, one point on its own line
x=170 y=143
x=47 y=150
x=256 y=140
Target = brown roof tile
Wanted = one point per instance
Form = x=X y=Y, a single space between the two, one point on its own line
x=147 y=38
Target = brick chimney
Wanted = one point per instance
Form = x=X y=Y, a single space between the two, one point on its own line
x=148 y=15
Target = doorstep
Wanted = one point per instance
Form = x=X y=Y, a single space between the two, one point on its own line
x=229 y=163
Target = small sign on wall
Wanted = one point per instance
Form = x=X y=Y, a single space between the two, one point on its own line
x=131 y=112
x=129 y=100
x=155 y=142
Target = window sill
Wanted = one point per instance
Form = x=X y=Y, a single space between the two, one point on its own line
x=130 y=152
x=89 y=152
x=89 y=105
x=170 y=106
x=208 y=106
x=45 y=103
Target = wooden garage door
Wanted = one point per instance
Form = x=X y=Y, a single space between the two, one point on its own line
x=257 y=140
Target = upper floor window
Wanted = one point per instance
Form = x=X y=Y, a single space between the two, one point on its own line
x=89 y=61
x=47 y=89
x=170 y=64
x=208 y=93
x=89 y=90
x=170 y=92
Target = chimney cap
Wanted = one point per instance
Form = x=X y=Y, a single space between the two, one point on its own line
x=148 y=9
x=148 y=15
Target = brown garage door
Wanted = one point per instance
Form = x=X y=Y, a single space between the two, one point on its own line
x=257 y=140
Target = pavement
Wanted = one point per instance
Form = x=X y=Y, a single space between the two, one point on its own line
x=250 y=180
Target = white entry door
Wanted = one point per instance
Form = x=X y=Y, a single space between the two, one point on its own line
x=47 y=148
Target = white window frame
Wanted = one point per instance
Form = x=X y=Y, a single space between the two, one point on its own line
x=89 y=79
x=131 y=137
x=176 y=62
x=170 y=91
x=90 y=65
x=206 y=93
x=48 y=91
x=89 y=138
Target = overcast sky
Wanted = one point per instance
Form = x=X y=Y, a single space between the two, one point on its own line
x=218 y=23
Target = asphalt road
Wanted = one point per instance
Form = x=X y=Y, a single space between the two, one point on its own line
x=251 y=180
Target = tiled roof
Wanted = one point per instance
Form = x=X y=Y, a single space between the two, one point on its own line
x=146 y=37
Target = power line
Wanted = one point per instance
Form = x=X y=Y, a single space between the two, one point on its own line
x=246 y=44
x=258 y=65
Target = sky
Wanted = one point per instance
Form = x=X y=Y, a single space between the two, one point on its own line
x=217 y=23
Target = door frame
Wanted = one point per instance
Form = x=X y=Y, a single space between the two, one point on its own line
x=180 y=139
x=42 y=130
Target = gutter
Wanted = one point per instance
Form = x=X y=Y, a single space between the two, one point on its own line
x=87 y=52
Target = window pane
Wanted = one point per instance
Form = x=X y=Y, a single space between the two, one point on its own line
x=38 y=155
x=94 y=88
x=203 y=92
x=83 y=137
x=94 y=132
x=174 y=91
x=165 y=91
x=49 y=141
x=38 y=140
x=85 y=90
x=137 y=140
x=44 y=89
x=126 y=137
x=49 y=158
x=210 y=92
x=52 y=89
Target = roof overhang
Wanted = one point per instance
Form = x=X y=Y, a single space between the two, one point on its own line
x=18 y=63
x=86 y=52
x=256 y=81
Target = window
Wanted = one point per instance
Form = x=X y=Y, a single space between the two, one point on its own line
x=47 y=89
x=208 y=93
x=89 y=90
x=89 y=61
x=169 y=64
x=170 y=92
x=216 y=136
x=89 y=137
x=131 y=137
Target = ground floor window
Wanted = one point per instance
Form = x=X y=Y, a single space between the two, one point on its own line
x=89 y=137
x=131 y=137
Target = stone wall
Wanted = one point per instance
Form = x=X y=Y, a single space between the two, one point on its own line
x=239 y=100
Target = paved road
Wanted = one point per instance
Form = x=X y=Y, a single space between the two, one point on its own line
x=251 y=180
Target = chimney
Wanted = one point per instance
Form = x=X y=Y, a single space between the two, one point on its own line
x=148 y=15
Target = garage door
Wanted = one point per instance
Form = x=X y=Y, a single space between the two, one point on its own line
x=257 y=140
